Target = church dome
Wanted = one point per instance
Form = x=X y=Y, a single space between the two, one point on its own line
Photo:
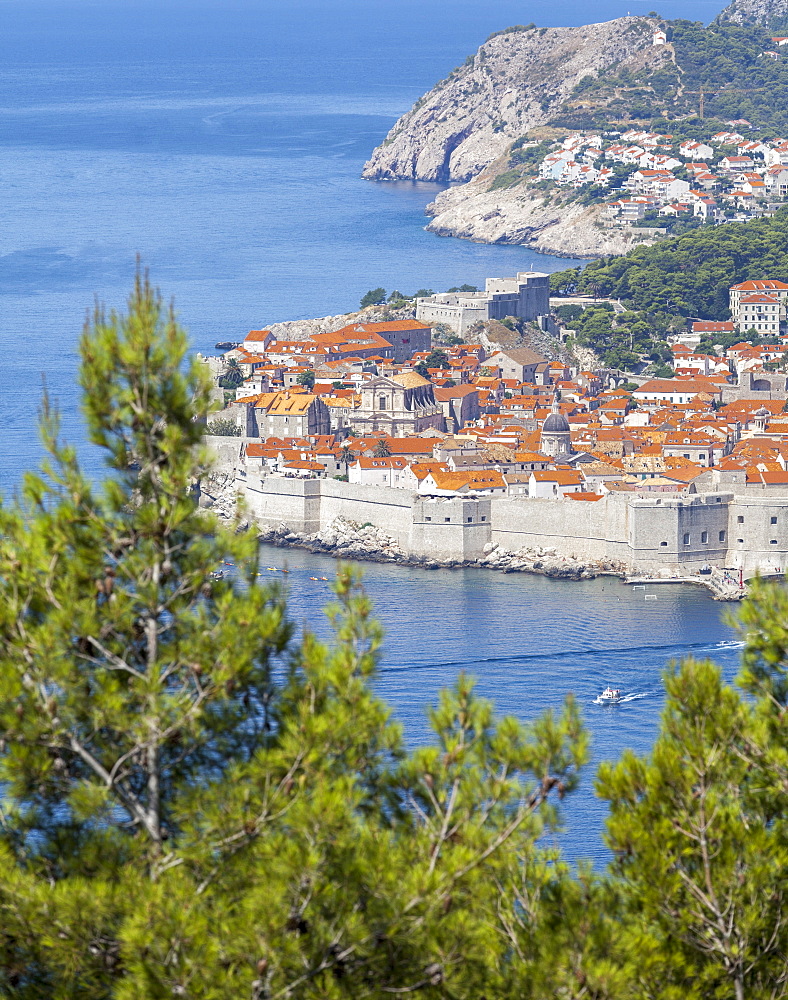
x=762 y=412
x=555 y=423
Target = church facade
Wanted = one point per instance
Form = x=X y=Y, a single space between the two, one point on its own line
x=398 y=406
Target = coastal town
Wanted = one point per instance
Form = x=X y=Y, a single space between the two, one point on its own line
x=657 y=178
x=379 y=406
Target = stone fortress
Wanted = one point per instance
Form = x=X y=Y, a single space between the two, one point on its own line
x=526 y=296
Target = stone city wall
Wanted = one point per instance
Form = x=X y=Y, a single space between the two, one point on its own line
x=307 y=505
x=686 y=532
x=758 y=535
x=225 y=452
x=676 y=534
x=451 y=527
x=591 y=531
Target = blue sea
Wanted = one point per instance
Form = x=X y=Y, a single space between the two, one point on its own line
x=223 y=143
x=529 y=641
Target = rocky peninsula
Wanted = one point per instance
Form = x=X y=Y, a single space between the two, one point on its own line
x=518 y=79
x=461 y=131
x=480 y=212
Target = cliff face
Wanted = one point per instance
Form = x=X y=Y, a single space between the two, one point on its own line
x=518 y=79
x=472 y=211
x=763 y=12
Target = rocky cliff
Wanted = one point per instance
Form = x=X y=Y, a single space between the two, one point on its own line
x=474 y=211
x=763 y=12
x=518 y=79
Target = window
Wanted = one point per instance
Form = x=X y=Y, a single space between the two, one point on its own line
x=447 y=519
x=484 y=517
x=382 y=403
x=470 y=520
x=427 y=518
x=722 y=536
x=664 y=544
x=704 y=536
x=740 y=519
x=740 y=541
x=774 y=520
x=773 y=541
x=686 y=456
x=686 y=538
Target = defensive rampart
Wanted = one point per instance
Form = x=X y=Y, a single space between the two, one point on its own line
x=660 y=534
x=590 y=531
x=307 y=505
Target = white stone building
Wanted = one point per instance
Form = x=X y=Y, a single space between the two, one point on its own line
x=525 y=296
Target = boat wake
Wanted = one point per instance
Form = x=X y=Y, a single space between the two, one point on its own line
x=663 y=650
x=622 y=700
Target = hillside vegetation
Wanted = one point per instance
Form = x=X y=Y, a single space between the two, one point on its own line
x=726 y=61
x=689 y=275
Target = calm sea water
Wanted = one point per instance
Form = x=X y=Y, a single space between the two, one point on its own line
x=529 y=641
x=224 y=142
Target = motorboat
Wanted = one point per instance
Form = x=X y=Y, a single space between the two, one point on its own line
x=610 y=696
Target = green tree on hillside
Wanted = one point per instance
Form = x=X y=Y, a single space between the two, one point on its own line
x=697 y=830
x=688 y=275
x=374 y=297
x=437 y=359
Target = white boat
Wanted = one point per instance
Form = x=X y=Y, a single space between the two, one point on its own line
x=610 y=696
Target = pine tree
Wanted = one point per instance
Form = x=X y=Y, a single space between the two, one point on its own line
x=195 y=804
x=699 y=849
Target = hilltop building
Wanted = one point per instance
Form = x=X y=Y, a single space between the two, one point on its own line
x=526 y=296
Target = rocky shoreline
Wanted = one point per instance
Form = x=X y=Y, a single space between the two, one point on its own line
x=349 y=540
x=345 y=539
x=521 y=216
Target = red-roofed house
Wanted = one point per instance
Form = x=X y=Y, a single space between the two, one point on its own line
x=673 y=390
x=760 y=301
